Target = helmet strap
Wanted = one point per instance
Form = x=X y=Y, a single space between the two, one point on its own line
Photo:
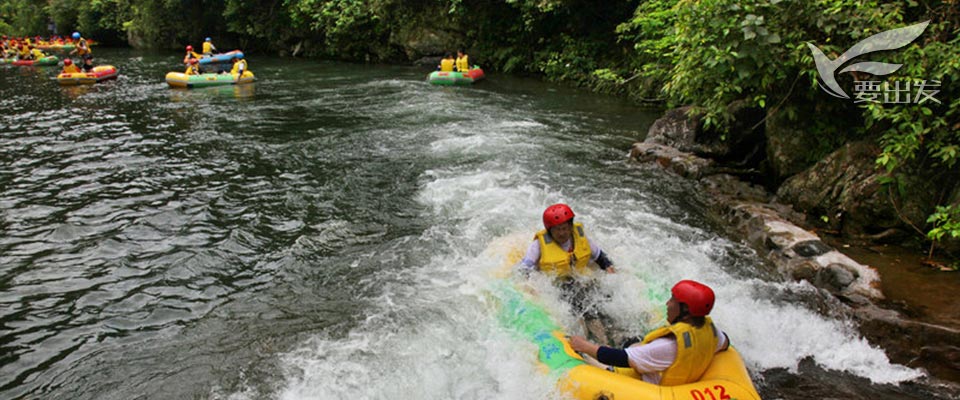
x=679 y=317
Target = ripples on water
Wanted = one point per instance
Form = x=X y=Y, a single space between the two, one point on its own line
x=331 y=232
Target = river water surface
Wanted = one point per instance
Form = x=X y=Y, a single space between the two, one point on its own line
x=332 y=232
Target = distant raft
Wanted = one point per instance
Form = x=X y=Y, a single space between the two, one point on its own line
x=48 y=60
x=99 y=73
x=182 y=80
x=58 y=47
x=456 y=78
x=222 y=58
x=222 y=62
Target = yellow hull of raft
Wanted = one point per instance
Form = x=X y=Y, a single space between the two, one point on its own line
x=727 y=378
x=98 y=74
x=182 y=80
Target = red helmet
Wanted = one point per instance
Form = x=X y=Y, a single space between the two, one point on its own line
x=67 y=61
x=189 y=48
x=697 y=296
x=556 y=215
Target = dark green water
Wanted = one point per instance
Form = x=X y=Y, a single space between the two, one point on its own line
x=332 y=231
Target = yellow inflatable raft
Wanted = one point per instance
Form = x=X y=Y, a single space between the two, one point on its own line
x=182 y=80
x=725 y=379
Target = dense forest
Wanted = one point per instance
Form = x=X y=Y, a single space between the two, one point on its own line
x=703 y=53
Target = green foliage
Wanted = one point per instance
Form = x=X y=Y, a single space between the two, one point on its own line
x=652 y=32
x=22 y=17
x=351 y=29
x=945 y=221
x=704 y=53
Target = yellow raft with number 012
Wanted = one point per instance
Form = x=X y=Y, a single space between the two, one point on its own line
x=726 y=378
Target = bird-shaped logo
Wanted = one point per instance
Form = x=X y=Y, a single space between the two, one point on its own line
x=887 y=40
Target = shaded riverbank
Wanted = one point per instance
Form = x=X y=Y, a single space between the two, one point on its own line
x=896 y=300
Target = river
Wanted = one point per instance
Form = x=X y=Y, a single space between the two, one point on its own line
x=331 y=232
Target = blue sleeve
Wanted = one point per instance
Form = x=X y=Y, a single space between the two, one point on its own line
x=614 y=357
x=603 y=261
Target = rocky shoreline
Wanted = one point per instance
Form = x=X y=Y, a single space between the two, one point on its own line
x=774 y=229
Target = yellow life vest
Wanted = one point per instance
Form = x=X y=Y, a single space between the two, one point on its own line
x=462 y=64
x=192 y=69
x=37 y=54
x=236 y=67
x=71 y=69
x=557 y=261
x=695 y=350
x=207 y=48
x=83 y=48
x=446 y=65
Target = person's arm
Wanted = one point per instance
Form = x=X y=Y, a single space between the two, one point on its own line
x=601 y=258
x=656 y=356
x=530 y=260
x=603 y=354
x=240 y=70
x=724 y=343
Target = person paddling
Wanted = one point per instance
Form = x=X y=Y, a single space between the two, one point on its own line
x=675 y=354
x=193 y=67
x=446 y=64
x=208 y=48
x=83 y=50
x=69 y=67
x=562 y=251
x=190 y=55
x=239 y=66
x=462 y=62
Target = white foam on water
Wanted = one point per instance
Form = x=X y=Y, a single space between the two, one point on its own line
x=434 y=332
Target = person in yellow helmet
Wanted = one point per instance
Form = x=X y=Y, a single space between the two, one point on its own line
x=69 y=67
x=446 y=64
x=462 y=62
x=672 y=355
x=563 y=252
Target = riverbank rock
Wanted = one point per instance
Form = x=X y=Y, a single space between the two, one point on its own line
x=418 y=41
x=681 y=163
x=795 y=252
x=741 y=144
x=844 y=192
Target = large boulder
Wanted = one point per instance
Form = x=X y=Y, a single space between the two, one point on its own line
x=684 y=164
x=419 y=41
x=844 y=191
x=741 y=144
x=789 y=143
